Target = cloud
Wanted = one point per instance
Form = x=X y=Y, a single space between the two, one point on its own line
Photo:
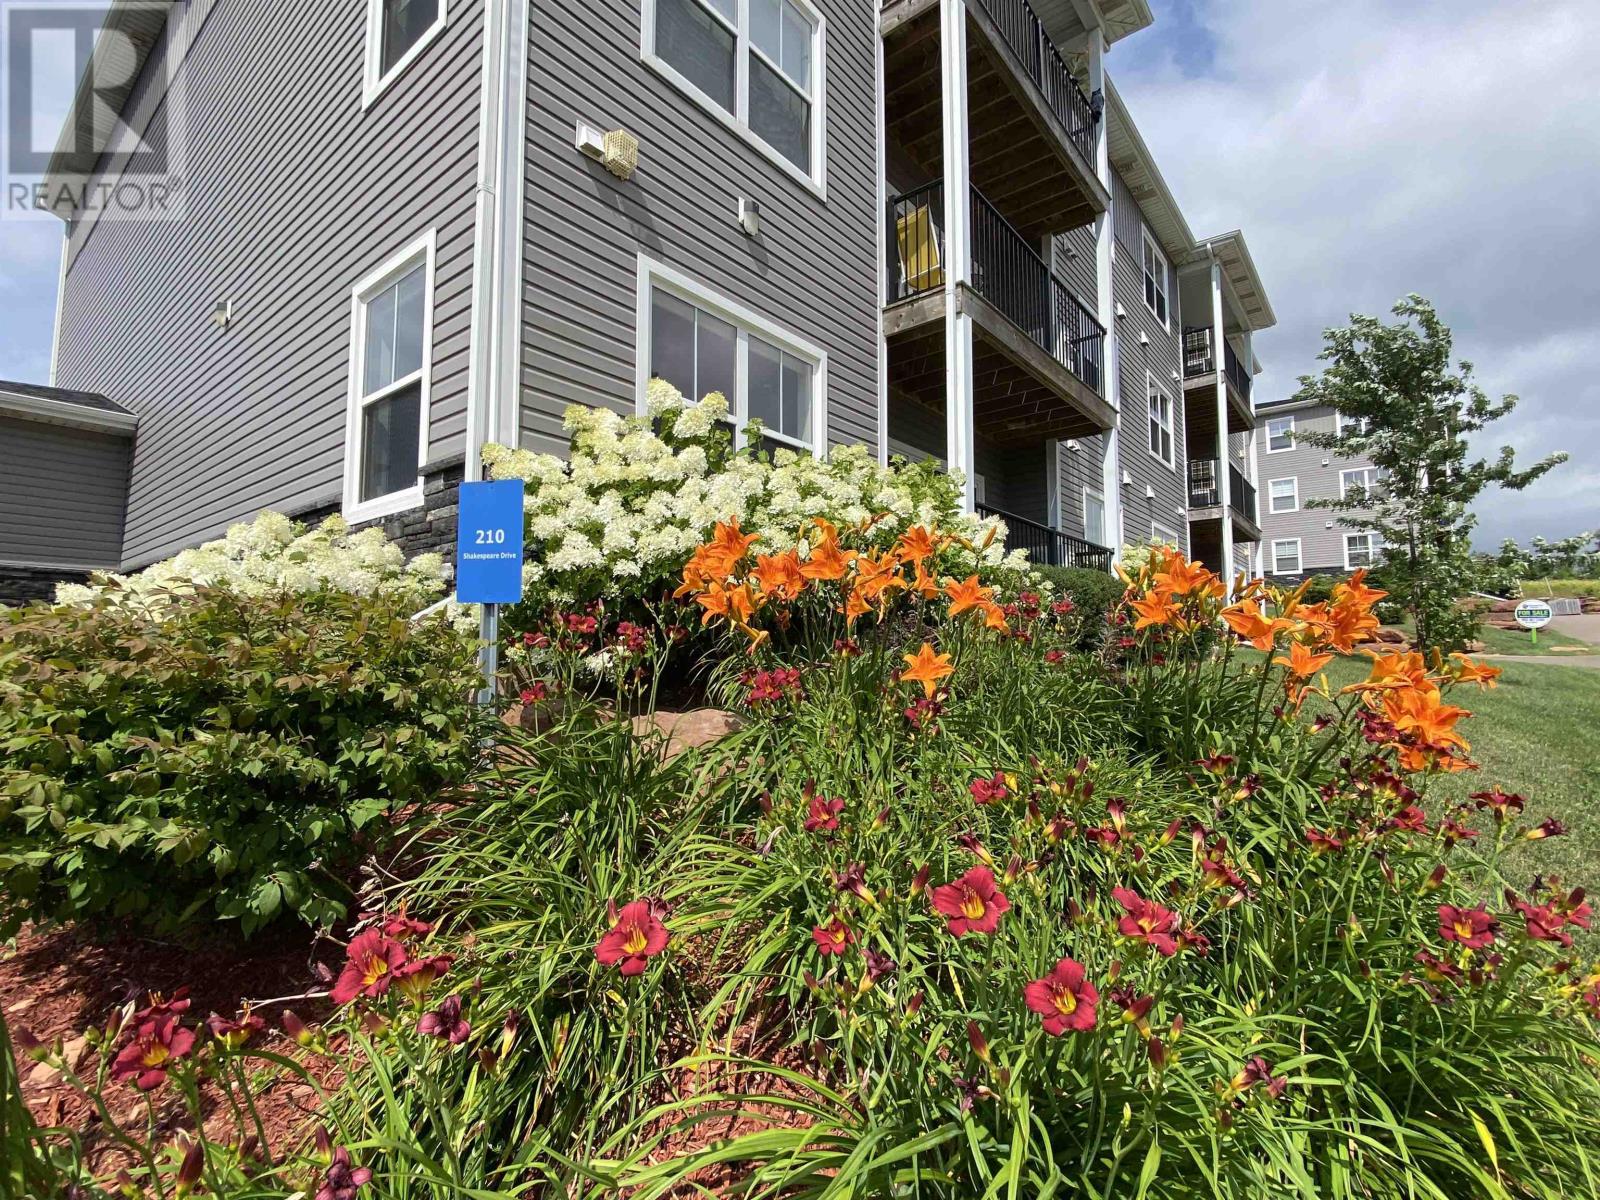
x=1370 y=149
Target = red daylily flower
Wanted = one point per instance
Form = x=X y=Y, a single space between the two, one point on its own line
x=636 y=935
x=1436 y=969
x=446 y=1022
x=413 y=980
x=401 y=926
x=1471 y=927
x=1502 y=804
x=155 y=1048
x=235 y=1033
x=833 y=938
x=343 y=1179
x=823 y=814
x=1548 y=828
x=1257 y=1071
x=1324 y=843
x=1543 y=922
x=987 y=791
x=972 y=903
x=1147 y=921
x=162 y=1006
x=1064 y=998
x=370 y=961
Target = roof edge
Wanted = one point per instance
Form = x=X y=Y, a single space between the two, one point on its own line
x=56 y=411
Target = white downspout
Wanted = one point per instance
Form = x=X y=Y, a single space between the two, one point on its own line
x=1104 y=256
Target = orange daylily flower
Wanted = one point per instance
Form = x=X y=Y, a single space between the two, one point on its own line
x=916 y=545
x=925 y=585
x=1183 y=578
x=855 y=606
x=1420 y=713
x=827 y=561
x=1248 y=621
x=1302 y=662
x=877 y=577
x=927 y=668
x=1154 y=609
x=1354 y=591
x=964 y=597
x=1465 y=670
x=733 y=604
x=1402 y=669
x=994 y=618
x=779 y=576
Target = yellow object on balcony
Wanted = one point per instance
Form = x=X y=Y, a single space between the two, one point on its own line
x=919 y=250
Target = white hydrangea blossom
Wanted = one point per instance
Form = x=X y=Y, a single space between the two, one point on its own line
x=271 y=555
x=637 y=495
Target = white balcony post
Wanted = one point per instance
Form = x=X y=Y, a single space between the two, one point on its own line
x=1106 y=307
x=959 y=449
x=1219 y=359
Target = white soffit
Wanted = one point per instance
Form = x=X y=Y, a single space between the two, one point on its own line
x=1137 y=166
x=1239 y=269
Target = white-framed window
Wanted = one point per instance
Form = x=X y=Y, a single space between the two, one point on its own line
x=397 y=32
x=1283 y=495
x=758 y=65
x=1160 y=535
x=1280 y=434
x=702 y=342
x=391 y=363
x=1286 y=556
x=1157 y=280
x=1354 y=425
x=1365 y=478
x=1361 y=550
x=1094 y=518
x=1162 y=444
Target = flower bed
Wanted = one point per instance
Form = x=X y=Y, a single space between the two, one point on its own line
x=961 y=910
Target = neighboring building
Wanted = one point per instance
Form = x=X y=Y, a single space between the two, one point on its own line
x=63 y=486
x=933 y=229
x=1297 y=540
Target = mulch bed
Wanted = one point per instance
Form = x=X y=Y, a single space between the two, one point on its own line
x=59 y=981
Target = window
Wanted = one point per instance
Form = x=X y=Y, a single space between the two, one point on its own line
x=397 y=32
x=1365 y=478
x=757 y=64
x=1283 y=495
x=1161 y=442
x=1352 y=425
x=701 y=343
x=1360 y=550
x=1286 y=557
x=1155 y=280
x=1280 y=434
x=386 y=430
x=1160 y=535
x=1094 y=518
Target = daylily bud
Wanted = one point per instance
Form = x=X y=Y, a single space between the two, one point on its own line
x=979 y=1044
x=508 y=1032
x=189 y=1172
x=919 y=882
x=880 y=821
x=1172 y=831
x=1436 y=879
x=324 y=1143
x=914 y=1005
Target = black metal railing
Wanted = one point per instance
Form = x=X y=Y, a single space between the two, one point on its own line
x=1205 y=490
x=1006 y=271
x=1199 y=359
x=1205 y=487
x=1050 y=547
x=1242 y=493
x=1022 y=30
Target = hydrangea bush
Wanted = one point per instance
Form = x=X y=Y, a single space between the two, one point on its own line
x=618 y=519
x=273 y=555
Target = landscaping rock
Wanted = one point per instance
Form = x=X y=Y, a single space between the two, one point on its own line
x=1390 y=635
x=689 y=730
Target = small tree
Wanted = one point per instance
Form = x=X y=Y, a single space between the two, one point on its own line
x=1412 y=414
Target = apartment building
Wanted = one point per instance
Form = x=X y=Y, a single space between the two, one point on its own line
x=1298 y=540
x=929 y=226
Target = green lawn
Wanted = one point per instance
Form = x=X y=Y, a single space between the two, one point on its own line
x=1516 y=641
x=1535 y=734
x=1545 y=588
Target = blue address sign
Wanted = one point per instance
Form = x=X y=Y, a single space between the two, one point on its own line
x=489 y=543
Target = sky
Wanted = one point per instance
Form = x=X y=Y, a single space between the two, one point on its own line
x=1368 y=149
x=1372 y=148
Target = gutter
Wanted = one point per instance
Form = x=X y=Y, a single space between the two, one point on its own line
x=497 y=243
x=60 y=412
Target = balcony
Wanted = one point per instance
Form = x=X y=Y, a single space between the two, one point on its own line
x=1200 y=371
x=1051 y=547
x=1205 y=493
x=1031 y=129
x=1039 y=361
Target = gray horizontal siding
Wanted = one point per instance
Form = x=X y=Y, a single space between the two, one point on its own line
x=1073 y=256
x=62 y=492
x=1321 y=531
x=812 y=271
x=296 y=194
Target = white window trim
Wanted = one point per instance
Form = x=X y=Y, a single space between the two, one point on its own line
x=1100 y=496
x=423 y=250
x=1152 y=389
x=1168 y=537
x=653 y=274
x=1280 y=449
x=816 y=180
x=376 y=80
x=1271 y=508
x=1373 y=541
x=1344 y=487
x=1166 y=276
x=1340 y=422
x=1299 y=556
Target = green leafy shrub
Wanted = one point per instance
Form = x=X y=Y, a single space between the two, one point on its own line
x=235 y=755
x=1094 y=593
